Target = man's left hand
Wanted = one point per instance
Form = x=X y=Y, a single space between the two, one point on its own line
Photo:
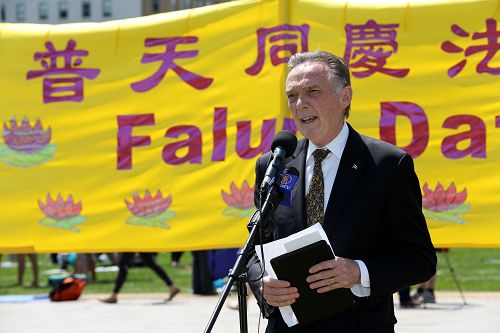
x=333 y=274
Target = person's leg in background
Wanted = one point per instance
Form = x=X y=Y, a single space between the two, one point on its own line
x=53 y=258
x=405 y=301
x=176 y=258
x=20 y=269
x=34 y=269
x=91 y=267
x=428 y=294
x=425 y=291
x=202 y=277
x=125 y=259
x=149 y=261
x=85 y=264
x=234 y=304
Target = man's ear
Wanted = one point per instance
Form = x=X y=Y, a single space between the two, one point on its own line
x=346 y=96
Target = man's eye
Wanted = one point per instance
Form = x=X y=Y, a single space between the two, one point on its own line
x=313 y=92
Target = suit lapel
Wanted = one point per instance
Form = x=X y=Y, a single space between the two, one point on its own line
x=351 y=166
x=298 y=161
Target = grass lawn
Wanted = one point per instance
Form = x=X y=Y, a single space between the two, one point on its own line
x=139 y=280
x=476 y=269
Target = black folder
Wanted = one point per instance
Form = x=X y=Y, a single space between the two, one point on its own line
x=311 y=306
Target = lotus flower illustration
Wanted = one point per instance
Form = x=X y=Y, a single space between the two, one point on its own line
x=61 y=214
x=445 y=205
x=26 y=145
x=240 y=201
x=151 y=211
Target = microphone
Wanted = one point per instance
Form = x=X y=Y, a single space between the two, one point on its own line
x=283 y=146
x=288 y=185
x=284 y=194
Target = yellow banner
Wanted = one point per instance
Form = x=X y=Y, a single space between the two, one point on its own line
x=142 y=134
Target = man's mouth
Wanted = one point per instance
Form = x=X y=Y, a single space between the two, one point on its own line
x=307 y=120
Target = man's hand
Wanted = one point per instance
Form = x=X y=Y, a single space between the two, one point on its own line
x=278 y=292
x=333 y=274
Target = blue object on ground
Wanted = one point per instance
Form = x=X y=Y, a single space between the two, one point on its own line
x=23 y=298
x=219 y=284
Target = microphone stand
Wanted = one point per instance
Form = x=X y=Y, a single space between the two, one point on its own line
x=238 y=273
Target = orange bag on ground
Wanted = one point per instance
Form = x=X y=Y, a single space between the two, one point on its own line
x=69 y=289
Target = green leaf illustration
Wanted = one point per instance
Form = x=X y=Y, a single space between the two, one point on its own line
x=67 y=224
x=443 y=216
x=459 y=209
x=232 y=211
x=154 y=221
x=25 y=160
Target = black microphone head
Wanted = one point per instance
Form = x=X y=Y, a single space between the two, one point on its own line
x=291 y=171
x=286 y=140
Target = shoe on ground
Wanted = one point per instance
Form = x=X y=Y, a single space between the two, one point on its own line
x=109 y=300
x=409 y=304
x=173 y=291
x=417 y=296
x=233 y=305
x=428 y=297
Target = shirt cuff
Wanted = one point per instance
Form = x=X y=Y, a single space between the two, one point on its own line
x=363 y=289
x=365 y=277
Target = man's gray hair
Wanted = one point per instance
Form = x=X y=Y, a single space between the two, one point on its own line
x=339 y=70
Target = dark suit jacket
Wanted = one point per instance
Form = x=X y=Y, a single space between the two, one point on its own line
x=374 y=214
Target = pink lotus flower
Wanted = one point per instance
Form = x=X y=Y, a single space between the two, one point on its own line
x=59 y=209
x=442 y=200
x=26 y=138
x=149 y=206
x=239 y=198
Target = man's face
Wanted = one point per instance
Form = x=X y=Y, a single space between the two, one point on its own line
x=316 y=107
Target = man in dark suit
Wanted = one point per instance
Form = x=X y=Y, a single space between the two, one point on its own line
x=366 y=195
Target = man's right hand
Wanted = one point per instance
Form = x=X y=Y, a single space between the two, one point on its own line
x=278 y=292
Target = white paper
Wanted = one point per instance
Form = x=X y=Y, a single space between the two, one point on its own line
x=281 y=246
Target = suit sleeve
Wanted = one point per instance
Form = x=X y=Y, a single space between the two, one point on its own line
x=410 y=257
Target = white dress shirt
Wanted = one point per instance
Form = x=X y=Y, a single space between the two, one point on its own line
x=330 y=166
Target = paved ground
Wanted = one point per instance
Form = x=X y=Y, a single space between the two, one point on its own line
x=188 y=313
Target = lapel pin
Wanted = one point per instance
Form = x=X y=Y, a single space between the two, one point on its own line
x=355 y=167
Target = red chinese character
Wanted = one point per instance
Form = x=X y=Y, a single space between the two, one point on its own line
x=368 y=46
x=57 y=89
x=167 y=58
x=491 y=47
x=285 y=32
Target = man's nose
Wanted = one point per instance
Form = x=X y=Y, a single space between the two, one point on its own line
x=301 y=102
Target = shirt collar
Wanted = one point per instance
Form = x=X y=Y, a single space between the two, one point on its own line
x=336 y=146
